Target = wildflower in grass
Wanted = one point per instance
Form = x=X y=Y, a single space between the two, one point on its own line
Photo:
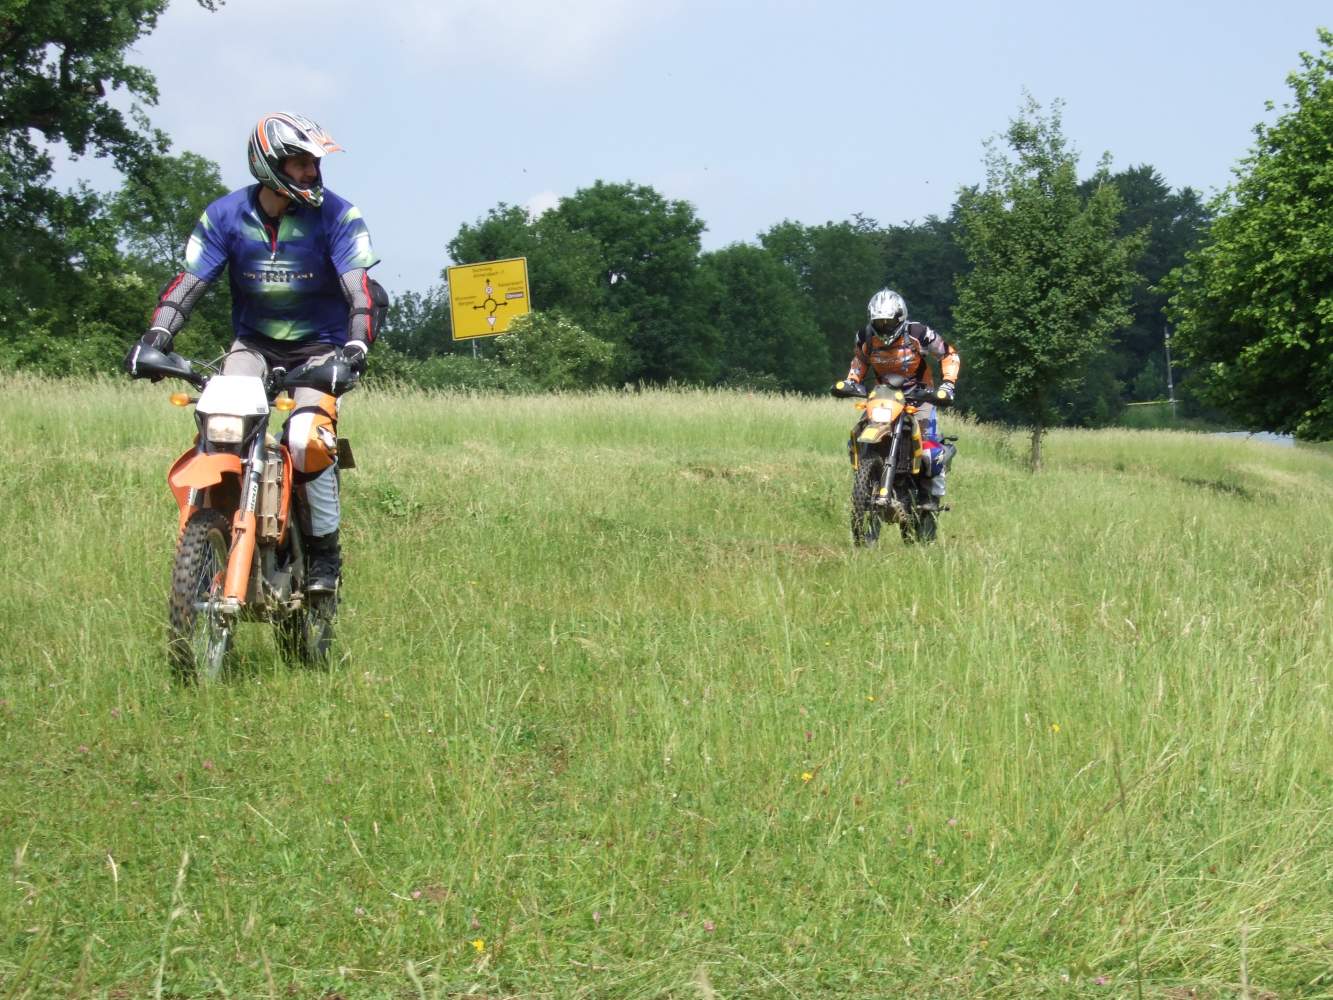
x=953 y=820
x=360 y=911
x=809 y=736
x=83 y=748
x=1101 y=980
x=709 y=926
x=115 y=713
x=596 y=916
x=806 y=775
x=870 y=697
x=475 y=923
x=416 y=893
x=479 y=944
x=207 y=765
x=1055 y=727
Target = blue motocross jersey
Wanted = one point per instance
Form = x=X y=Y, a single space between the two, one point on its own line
x=284 y=279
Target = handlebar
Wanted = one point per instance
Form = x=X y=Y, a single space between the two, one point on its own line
x=847 y=389
x=333 y=375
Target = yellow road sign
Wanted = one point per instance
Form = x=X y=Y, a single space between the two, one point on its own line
x=484 y=298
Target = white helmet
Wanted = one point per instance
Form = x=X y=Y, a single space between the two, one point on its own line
x=278 y=136
x=887 y=312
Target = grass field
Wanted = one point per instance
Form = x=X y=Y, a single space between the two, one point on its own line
x=620 y=713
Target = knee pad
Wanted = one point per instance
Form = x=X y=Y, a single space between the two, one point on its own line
x=311 y=435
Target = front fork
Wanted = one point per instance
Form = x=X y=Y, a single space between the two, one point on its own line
x=241 y=562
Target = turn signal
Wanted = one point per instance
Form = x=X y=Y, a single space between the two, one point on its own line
x=180 y=399
x=284 y=403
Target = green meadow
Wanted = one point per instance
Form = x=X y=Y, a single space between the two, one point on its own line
x=617 y=711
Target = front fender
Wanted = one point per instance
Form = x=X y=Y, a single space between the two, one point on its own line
x=874 y=433
x=198 y=472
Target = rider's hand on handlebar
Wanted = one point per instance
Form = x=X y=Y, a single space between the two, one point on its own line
x=158 y=340
x=945 y=392
x=848 y=388
x=354 y=356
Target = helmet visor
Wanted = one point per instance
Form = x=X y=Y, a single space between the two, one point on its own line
x=884 y=325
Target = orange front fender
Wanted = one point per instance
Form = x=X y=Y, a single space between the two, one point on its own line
x=202 y=471
x=195 y=471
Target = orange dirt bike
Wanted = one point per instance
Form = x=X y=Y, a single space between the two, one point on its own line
x=239 y=553
x=892 y=464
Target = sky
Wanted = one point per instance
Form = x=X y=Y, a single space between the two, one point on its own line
x=753 y=112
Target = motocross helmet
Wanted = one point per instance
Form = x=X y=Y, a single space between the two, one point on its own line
x=887 y=312
x=280 y=135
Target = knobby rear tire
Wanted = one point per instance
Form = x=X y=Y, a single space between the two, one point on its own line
x=197 y=640
x=306 y=636
x=921 y=525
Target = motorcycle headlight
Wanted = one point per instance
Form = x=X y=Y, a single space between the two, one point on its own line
x=881 y=414
x=224 y=429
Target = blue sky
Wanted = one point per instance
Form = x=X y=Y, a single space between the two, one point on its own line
x=754 y=112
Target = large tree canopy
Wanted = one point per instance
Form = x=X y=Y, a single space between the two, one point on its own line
x=1253 y=306
x=649 y=248
x=766 y=327
x=59 y=62
x=1050 y=275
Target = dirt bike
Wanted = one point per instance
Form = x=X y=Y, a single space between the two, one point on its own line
x=892 y=464
x=240 y=554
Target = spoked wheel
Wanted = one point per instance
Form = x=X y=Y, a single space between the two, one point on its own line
x=866 y=517
x=305 y=636
x=918 y=525
x=198 y=635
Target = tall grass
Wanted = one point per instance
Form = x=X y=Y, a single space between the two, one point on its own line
x=620 y=713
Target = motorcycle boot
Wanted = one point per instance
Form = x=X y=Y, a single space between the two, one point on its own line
x=324 y=562
x=932 y=494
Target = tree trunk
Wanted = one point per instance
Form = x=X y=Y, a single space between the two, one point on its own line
x=1034 y=456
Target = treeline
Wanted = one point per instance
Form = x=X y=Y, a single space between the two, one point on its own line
x=624 y=265
x=623 y=289
x=1057 y=289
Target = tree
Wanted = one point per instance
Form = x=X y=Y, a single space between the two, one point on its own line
x=419 y=325
x=838 y=265
x=1050 y=276
x=1173 y=223
x=648 y=247
x=564 y=267
x=550 y=351
x=765 y=324
x=1253 y=306
x=59 y=61
x=922 y=262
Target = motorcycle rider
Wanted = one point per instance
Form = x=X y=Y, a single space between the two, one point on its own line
x=297 y=257
x=891 y=345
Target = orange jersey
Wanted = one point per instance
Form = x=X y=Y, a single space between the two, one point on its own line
x=904 y=354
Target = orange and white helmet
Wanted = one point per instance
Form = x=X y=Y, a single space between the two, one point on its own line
x=280 y=135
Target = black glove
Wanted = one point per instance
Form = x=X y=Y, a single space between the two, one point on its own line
x=354 y=356
x=157 y=339
x=848 y=388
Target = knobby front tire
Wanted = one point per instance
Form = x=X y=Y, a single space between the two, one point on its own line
x=866 y=517
x=198 y=638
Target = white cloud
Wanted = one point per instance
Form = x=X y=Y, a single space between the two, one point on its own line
x=541 y=203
